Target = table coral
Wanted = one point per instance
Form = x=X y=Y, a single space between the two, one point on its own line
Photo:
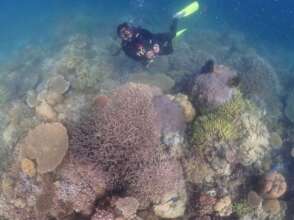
x=48 y=144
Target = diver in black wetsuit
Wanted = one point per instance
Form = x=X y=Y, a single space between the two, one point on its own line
x=142 y=45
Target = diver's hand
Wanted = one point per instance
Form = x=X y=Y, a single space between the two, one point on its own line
x=150 y=55
x=156 y=48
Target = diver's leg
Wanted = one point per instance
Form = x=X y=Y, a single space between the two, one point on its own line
x=173 y=28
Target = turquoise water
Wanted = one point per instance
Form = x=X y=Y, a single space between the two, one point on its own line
x=207 y=126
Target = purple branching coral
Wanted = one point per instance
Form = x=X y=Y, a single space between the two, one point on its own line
x=121 y=140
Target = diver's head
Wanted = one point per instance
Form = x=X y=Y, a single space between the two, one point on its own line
x=125 y=31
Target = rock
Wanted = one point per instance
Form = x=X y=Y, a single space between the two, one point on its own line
x=47 y=144
x=171 y=206
x=273 y=185
x=272 y=207
x=46 y=112
x=58 y=85
x=127 y=206
x=28 y=167
x=224 y=206
x=187 y=107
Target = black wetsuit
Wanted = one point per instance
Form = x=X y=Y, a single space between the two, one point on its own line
x=143 y=41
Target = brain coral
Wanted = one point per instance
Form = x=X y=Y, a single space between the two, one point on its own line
x=122 y=138
x=47 y=144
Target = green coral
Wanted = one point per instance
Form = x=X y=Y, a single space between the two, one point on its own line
x=221 y=124
x=242 y=208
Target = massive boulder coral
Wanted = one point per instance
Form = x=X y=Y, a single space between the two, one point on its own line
x=47 y=144
x=213 y=89
x=273 y=185
x=259 y=81
x=121 y=138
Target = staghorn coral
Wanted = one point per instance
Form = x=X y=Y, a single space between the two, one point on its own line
x=205 y=204
x=122 y=138
x=78 y=185
x=127 y=206
x=101 y=214
x=48 y=144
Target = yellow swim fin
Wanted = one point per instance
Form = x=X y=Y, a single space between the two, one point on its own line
x=181 y=32
x=188 y=10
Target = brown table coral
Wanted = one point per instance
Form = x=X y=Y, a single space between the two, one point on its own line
x=47 y=144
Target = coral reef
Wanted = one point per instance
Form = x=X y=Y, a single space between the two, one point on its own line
x=272 y=207
x=102 y=215
x=187 y=107
x=289 y=110
x=162 y=81
x=28 y=167
x=212 y=90
x=127 y=146
x=205 y=204
x=128 y=207
x=273 y=185
x=235 y=122
x=242 y=208
x=260 y=83
x=220 y=124
x=224 y=206
x=47 y=144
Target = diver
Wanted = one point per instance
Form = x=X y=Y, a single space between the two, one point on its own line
x=143 y=46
